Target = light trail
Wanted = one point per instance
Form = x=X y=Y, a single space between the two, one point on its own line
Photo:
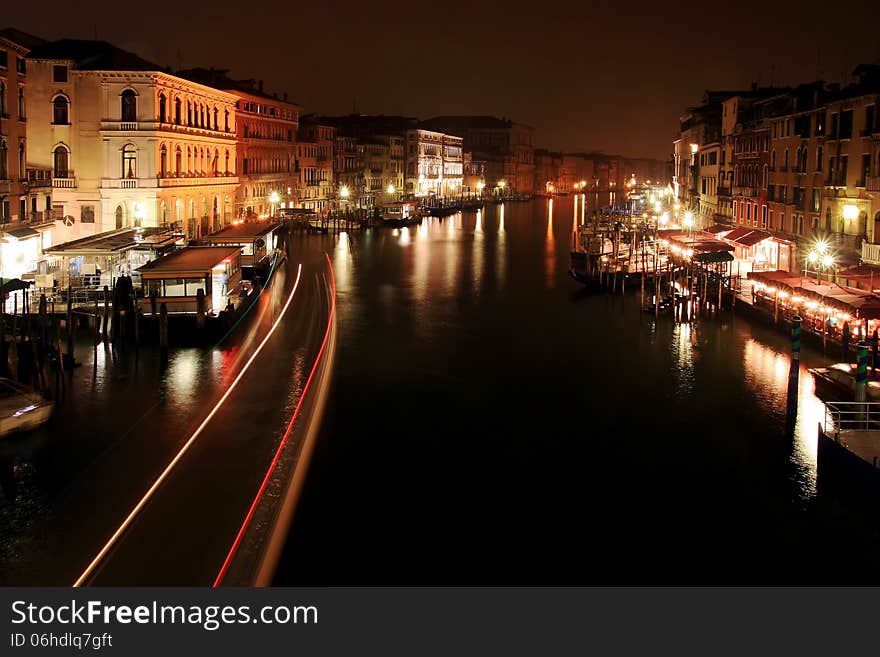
x=167 y=471
x=262 y=489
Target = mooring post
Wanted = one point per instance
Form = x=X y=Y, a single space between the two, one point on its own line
x=862 y=372
x=200 y=309
x=874 y=354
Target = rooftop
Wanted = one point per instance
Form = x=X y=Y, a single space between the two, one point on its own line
x=246 y=230
x=190 y=259
x=90 y=55
x=115 y=241
x=23 y=39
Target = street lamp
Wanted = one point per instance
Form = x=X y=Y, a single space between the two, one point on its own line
x=820 y=257
x=390 y=188
x=274 y=198
x=480 y=186
x=688 y=220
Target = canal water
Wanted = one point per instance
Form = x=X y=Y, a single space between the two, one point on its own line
x=490 y=423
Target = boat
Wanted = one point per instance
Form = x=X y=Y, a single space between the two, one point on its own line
x=20 y=408
x=401 y=214
x=842 y=377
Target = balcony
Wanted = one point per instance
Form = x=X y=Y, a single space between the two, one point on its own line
x=64 y=183
x=747 y=192
x=871 y=253
x=873 y=184
x=196 y=181
x=723 y=191
x=120 y=183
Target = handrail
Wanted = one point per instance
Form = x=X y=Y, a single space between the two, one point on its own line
x=851 y=415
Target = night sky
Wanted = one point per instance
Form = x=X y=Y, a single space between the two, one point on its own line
x=610 y=76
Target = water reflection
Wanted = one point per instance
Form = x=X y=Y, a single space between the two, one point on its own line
x=550 y=259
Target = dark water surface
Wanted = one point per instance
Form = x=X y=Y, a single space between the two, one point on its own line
x=489 y=424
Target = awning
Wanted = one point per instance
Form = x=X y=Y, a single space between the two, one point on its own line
x=8 y=285
x=21 y=232
x=736 y=233
x=752 y=238
x=714 y=256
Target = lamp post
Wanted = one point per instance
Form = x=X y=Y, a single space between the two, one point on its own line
x=820 y=258
x=501 y=185
x=274 y=198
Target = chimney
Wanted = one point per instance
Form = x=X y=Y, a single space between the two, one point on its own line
x=260 y=85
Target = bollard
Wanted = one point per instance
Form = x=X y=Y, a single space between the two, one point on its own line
x=862 y=372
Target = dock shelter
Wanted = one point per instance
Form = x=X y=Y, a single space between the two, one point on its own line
x=177 y=278
x=254 y=238
x=98 y=260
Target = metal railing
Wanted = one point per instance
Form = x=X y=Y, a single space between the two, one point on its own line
x=851 y=416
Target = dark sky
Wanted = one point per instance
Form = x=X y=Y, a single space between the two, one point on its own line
x=610 y=76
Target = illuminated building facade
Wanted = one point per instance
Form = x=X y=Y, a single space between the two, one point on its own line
x=128 y=144
x=434 y=163
x=266 y=129
x=315 y=165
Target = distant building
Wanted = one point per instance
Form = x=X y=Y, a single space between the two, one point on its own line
x=506 y=147
x=315 y=164
x=434 y=163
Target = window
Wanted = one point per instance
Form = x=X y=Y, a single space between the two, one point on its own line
x=59 y=74
x=178 y=157
x=820 y=154
x=87 y=214
x=869 y=120
x=216 y=114
x=846 y=124
x=61 y=162
x=4 y=59
x=20 y=65
x=2 y=95
x=4 y=155
x=22 y=174
x=163 y=112
x=814 y=203
x=226 y=120
x=129 y=161
x=129 y=106
x=163 y=161
x=763 y=216
x=21 y=103
x=177 y=117
x=60 y=111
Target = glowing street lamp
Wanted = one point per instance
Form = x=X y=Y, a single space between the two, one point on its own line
x=820 y=257
x=274 y=198
x=850 y=211
x=390 y=189
x=344 y=192
x=688 y=220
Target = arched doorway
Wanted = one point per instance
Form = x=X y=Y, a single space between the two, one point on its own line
x=118 y=217
x=215 y=214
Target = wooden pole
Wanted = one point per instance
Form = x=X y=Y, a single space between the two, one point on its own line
x=163 y=329
x=106 y=312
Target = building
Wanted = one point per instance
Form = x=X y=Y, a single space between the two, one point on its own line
x=266 y=130
x=315 y=164
x=474 y=175
x=128 y=143
x=506 y=147
x=850 y=202
x=25 y=193
x=434 y=163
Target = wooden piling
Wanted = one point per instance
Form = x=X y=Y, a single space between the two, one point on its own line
x=106 y=312
x=200 y=309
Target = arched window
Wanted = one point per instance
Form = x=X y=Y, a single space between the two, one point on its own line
x=178 y=161
x=216 y=114
x=227 y=163
x=773 y=159
x=129 y=106
x=177 y=111
x=189 y=160
x=201 y=115
x=766 y=178
x=163 y=111
x=215 y=162
x=2 y=97
x=61 y=162
x=129 y=161
x=226 y=120
x=189 y=113
x=785 y=161
x=163 y=161
x=4 y=156
x=22 y=174
x=21 y=102
x=60 y=111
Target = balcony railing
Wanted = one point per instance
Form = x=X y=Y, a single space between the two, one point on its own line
x=64 y=183
x=748 y=192
x=871 y=253
x=193 y=181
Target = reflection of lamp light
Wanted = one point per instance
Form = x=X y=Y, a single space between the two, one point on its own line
x=850 y=211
